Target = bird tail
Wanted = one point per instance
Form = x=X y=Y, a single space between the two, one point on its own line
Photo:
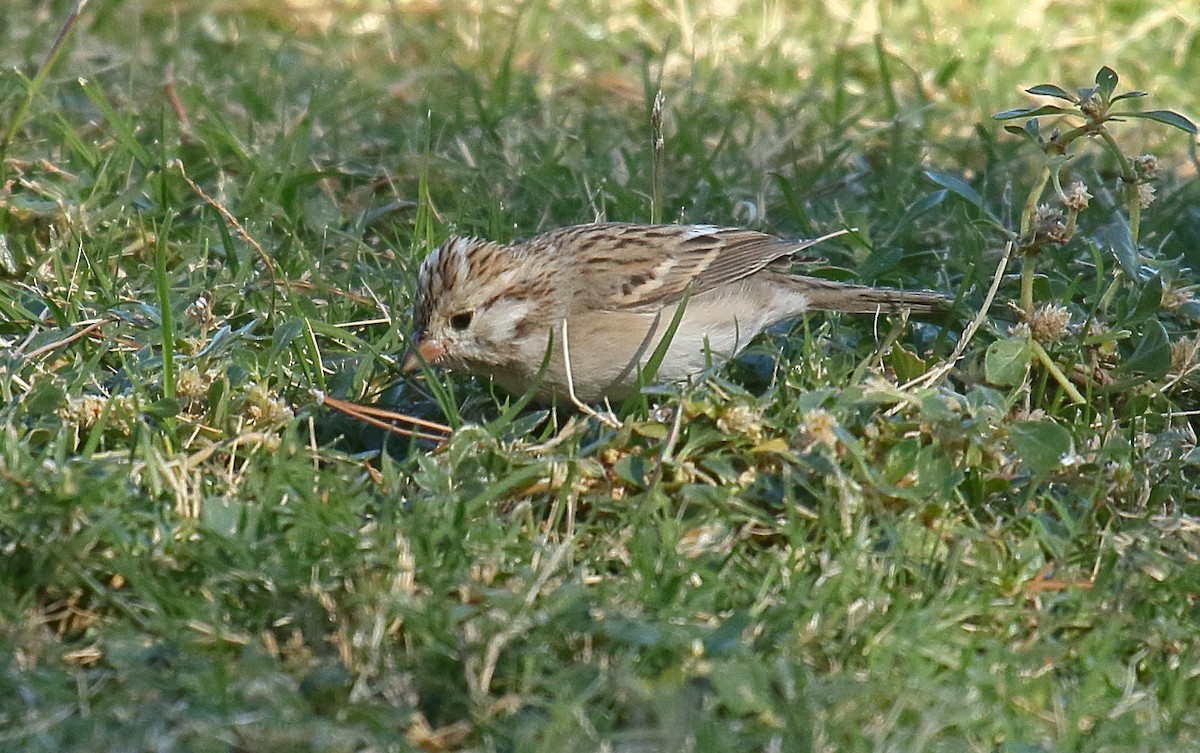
x=830 y=295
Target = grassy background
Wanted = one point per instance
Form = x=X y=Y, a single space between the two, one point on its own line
x=796 y=555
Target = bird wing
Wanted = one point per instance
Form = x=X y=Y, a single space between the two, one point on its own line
x=632 y=267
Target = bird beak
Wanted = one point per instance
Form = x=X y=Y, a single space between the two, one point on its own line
x=421 y=352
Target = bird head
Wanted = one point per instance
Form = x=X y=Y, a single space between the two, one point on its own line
x=475 y=300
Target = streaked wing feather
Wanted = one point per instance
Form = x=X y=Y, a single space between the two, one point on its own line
x=659 y=263
x=744 y=253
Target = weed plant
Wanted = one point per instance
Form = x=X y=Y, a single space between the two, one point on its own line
x=974 y=532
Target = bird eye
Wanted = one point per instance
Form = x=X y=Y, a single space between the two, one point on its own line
x=461 y=321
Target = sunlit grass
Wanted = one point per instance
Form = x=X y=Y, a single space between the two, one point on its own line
x=827 y=545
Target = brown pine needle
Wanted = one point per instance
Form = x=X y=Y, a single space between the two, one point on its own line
x=229 y=218
x=185 y=123
x=382 y=419
x=86 y=331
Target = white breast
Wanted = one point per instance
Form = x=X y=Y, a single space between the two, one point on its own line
x=722 y=325
x=608 y=348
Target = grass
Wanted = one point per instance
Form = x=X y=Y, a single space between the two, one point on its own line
x=802 y=551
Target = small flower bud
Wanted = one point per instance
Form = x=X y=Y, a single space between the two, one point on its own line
x=1145 y=194
x=1173 y=297
x=264 y=406
x=190 y=384
x=1050 y=323
x=1146 y=166
x=83 y=412
x=1185 y=352
x=1048 y=225
x=1091 y=107
x=741 y=419
x=1077 y=196
x=818 y=427
x=1046 y=215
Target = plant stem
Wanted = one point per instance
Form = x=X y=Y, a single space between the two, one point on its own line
x=1127 y=173
x=1135 y=215
x=658 y=146
x=166 y=326
x=1027 y=231
x=1031 y=202
x=1110 y=291
x=1027 y=287
x=1129 y=177
x=1063 y=141
x=1056 y=373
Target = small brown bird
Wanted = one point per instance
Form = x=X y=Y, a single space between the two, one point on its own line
x=602 y=296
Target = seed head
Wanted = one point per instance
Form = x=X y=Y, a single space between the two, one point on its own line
x=83 y=412
x=191 y=385
x=1185 y=353
x=1174 y=297
x=818 y=427
x=741 y=419
x=1077 y=196
x=1050 y=323
x=1146 y=167
x=1049 y=225
x=1145 y=194
x=263 y=406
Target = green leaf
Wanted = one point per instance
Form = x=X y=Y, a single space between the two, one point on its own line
x=45 y=398
x=223 y=514
x=1033 y=127
x=1128 y=95
x=915 y=210
x=901 y=460
x=1006 y=361
x=633 y=632
x=514 y=480
x=1023 y=133
x=1040 y=444
x=1168 y=117
x=937 y=474
x=1117 y=238
x=167 y=407
x=885 y=256
x=935 y=409
x=632 y=469
x=1148 y=303
x=648 y=370
x=906 y=364
x=284 y=334
x=122 y=128
x=728 y=636
x=1106 y=82
x=224 y=339
x=1031 y=112
x=956 y=185
x=1151 y=356
x=946 y=72
x=1050 y=90
x=743 y=687
x=720 y=466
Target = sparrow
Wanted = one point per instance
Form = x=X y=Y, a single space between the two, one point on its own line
x=577 y=312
